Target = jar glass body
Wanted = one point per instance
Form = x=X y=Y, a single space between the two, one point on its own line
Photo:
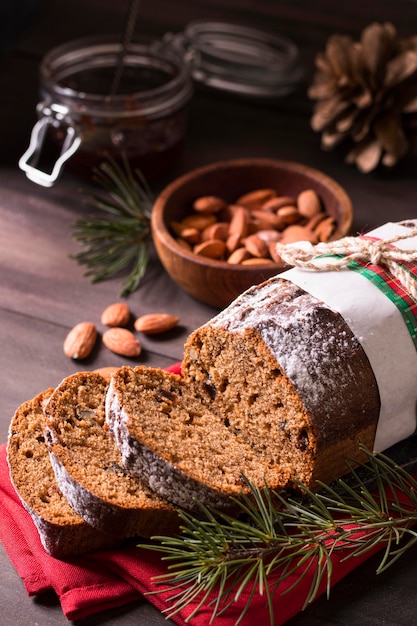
x=88 y=111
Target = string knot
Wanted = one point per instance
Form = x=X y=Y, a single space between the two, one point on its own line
x=343 y=251
x=376 y=251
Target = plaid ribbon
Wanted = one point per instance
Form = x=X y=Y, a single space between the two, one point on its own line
x=392 y=288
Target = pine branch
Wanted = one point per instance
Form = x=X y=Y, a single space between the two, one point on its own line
x=118 y=238
x=273 y=538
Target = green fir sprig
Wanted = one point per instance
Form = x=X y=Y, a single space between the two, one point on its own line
x=117 y=238
x=217 y=556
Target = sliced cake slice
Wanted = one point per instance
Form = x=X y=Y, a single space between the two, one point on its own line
x=173 y=441
x=62 y=531
x=88 y=465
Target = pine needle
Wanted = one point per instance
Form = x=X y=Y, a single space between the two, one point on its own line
x=217 y=556
x=117 y=238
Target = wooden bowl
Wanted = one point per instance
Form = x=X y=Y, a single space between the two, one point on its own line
x=216 y=282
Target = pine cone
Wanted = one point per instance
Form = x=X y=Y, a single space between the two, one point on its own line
x=366 y=96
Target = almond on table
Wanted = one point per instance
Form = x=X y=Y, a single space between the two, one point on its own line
x=80 y=340
x=117 y=314
x=122 y=341
x=155 y=323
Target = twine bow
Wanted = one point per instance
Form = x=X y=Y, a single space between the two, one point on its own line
x=376 y=252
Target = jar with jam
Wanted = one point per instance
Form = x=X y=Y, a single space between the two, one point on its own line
x=83 y=119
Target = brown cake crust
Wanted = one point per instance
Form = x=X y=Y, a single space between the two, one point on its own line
x=280 y=358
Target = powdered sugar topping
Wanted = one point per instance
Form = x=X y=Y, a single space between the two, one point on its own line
x=301 y=333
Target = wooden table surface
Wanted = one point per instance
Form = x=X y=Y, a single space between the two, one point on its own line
x=43 y=291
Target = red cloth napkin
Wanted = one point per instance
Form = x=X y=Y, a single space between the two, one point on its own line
x=111 y=578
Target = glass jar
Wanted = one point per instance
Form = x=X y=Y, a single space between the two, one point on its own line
x=83 y=121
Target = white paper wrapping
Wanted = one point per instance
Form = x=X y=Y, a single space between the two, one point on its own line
x=382 y=332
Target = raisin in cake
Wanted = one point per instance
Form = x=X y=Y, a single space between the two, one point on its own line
x=62 y=532
x=88 y=465
x=175 y=443
x=285 y=374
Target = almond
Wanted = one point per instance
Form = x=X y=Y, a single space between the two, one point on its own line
x=256 y=246
x=212 y=248
x=239 y=255
x=269 y=235
x=191 y=235
x=276 y=203
x=239 y=222
x=256 y=198
x=289 y=214
x=155 y=323
x=325 y=229
x=209 y=204
x=117 y=314
x=80 y=340
x=308 y=203
x=233 y=242
x=219 y=230
x=263 y=220
x=296 y=232
x=121 y=341
x=198 y=221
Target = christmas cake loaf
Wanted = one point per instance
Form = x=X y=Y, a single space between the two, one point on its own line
x=88 y=465
x=287 y=376
x=321 y=357
x=275 y=388
x=298 y=370
x=63 y=533
x=175 y=443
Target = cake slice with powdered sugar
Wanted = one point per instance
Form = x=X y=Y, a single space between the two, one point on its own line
x=177 y=445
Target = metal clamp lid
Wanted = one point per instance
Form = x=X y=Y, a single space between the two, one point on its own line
x=239 y=59
x=29 y=160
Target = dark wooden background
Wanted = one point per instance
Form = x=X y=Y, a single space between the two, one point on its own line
x=43 y=292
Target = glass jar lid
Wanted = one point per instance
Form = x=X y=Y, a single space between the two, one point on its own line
x=241 y=60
